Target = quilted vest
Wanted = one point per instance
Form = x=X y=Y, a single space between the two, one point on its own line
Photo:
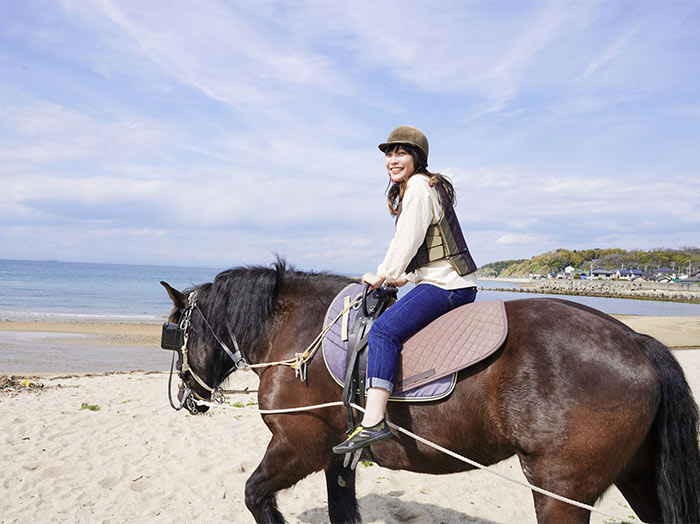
x=444 y=240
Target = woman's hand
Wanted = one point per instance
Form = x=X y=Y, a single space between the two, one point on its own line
x=401 y=281
x=373 y=280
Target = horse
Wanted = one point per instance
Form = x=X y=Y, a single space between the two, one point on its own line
x=583 y=400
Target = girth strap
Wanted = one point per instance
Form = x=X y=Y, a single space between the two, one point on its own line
x=354 y=374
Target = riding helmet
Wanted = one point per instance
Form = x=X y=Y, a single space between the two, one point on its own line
x=406 y=135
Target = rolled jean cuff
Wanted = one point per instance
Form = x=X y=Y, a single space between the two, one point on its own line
x=380 y=383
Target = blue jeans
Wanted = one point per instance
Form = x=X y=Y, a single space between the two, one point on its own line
x=418 y=308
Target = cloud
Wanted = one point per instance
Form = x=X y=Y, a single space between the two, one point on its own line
x=511 y=239
x=41 y=132
x=191 y=45
x=233 y=129
x=609 y=54
x=570 y=211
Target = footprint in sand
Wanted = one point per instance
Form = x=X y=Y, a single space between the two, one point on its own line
x=32 y=466
x=108 y=482
x=404 y=513
x=57 y=471
x=141 y=485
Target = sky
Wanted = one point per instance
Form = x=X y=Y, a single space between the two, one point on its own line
x=222 y=133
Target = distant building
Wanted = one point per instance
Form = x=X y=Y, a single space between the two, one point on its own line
x=665 y=273
x=601 y=273
x=628 y=274
x=623 y=274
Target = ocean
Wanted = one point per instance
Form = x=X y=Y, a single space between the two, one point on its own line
x=70 y=291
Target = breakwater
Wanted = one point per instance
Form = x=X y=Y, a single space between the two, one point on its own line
x=609 y=288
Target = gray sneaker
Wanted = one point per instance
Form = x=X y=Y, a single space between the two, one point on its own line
x=363 y=437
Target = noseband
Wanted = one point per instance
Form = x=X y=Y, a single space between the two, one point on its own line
x=175 y=337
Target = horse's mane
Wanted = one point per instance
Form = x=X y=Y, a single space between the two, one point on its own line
x=246 y=297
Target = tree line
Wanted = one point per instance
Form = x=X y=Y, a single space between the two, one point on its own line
x=582 y=259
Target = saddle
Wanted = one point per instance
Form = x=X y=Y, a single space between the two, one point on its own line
x=430 y=359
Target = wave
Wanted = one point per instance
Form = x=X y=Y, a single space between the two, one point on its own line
x=50 y=316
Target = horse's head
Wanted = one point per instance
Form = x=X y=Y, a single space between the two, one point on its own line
x=200 y=327
x=185 y=334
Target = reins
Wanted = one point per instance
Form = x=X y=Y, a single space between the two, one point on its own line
x=298 y=363
x=300 y=360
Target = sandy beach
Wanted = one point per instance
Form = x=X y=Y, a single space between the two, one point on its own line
x=108 y=448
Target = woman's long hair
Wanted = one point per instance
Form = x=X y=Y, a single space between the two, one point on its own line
x=395 y=191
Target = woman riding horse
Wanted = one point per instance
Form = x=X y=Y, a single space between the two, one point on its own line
x=422 y=204
x=580 y=398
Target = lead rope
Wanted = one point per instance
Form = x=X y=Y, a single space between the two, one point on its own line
x=432 y=445
x=298 y=363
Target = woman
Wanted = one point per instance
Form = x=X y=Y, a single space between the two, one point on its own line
x=428 y=249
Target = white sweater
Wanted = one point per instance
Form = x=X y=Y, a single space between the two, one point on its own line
x=419 y=209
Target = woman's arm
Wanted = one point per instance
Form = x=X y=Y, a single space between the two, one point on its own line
x=416 y=216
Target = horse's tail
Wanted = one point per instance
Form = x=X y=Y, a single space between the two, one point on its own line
x=675 y=437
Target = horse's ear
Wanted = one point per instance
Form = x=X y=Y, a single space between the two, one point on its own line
x=178 y=298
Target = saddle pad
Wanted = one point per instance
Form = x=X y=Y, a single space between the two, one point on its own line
x=335 y=349
x=431 y=358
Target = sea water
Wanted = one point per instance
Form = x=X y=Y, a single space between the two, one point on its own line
x=70 y=292
x=57 y=291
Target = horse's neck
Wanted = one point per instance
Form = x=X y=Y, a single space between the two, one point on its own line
x=297 y=321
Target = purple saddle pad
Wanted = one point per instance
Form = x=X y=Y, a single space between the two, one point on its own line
x=335 y=349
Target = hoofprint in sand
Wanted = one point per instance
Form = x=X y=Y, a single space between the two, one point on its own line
x=136 y=460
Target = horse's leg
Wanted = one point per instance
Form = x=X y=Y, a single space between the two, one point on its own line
x=342 y=501
x=279 y=469
x=548 y=473
x=637 y=485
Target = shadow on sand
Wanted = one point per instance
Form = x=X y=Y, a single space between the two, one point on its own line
x=391 y=509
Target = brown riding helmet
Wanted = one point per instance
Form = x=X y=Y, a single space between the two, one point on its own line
x=406 y=135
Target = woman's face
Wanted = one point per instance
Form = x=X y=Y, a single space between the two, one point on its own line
x=399 y=164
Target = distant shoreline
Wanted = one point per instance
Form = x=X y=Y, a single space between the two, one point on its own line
x=517 y=280
x=659 y=291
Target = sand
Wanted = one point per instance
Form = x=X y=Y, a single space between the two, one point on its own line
x=136 y=460
x=675 y=332
x=111 y=333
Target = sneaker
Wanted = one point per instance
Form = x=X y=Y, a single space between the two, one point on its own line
x=363 y=437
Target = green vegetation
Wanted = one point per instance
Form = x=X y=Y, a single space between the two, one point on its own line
x=239 y=404
x=581 y=260
x=495 y=268
x=91 y=407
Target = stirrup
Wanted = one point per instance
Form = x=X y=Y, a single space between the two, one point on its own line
x=355 y=456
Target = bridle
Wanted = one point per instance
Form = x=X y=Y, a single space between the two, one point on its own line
x=175 y=338
x=176 y=335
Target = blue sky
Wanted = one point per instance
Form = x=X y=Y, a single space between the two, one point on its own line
x=219 y=133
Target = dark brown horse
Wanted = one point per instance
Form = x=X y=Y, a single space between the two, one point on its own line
x=583 y=400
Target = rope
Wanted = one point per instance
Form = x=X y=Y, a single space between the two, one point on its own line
x=432 y=445
x=300 y=359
